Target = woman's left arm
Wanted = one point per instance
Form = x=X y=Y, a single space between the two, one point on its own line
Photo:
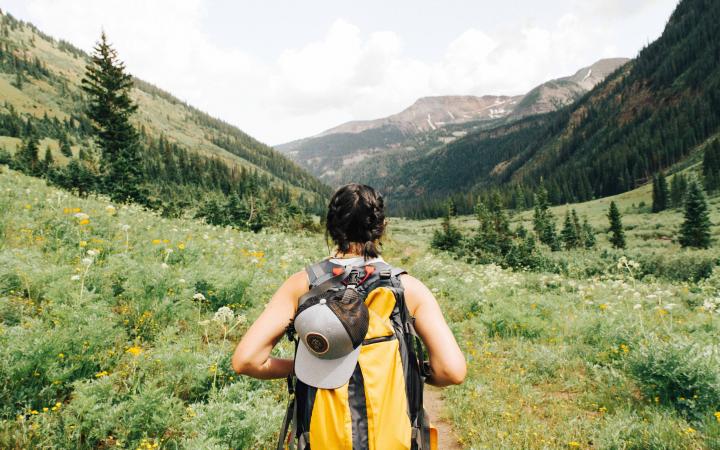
x=252 y=354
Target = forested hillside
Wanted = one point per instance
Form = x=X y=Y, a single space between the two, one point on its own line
x=367 y=151
x=646 y=117
x=187 y=156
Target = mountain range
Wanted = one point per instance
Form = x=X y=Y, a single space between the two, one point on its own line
x=638 y=118
x=338 y=155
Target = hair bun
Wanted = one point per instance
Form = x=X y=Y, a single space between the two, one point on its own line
x=356 y=215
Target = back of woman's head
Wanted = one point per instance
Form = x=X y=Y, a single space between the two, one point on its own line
x=356 y=215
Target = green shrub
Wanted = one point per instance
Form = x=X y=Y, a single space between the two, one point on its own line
x=646 y=430
x=681 y=374
x=507 y=321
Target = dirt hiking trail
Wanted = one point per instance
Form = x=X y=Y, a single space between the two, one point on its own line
x=433 y=403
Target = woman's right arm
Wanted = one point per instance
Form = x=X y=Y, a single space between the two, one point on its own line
x=252 y=354
x=447 y=363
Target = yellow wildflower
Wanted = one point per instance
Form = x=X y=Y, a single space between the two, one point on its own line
x=690 y=430
x=574 y=444
x=101 y=374
x=717 y=416
x=33 y=411
x=61 y=355
x=45 y=409
x=84 y=222
x=181 y=246
x=134 y=350
x=156 y=241
x=603 y=306
x=83 y=243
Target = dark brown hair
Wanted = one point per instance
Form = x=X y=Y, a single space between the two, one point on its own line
x=356 y=214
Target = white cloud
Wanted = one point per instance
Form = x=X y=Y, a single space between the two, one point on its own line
x=349 y=73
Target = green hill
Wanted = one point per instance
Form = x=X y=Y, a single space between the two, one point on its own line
x=648 y=115
x=188 y=153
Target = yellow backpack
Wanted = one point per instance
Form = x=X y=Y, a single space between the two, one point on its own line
x=381 y=405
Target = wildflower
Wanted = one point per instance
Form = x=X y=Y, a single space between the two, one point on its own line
x=603 y=306
x=156 y=241
x=110 y=209
x=181 y=281
x=75 y=277
x=84 y=222
x=224 y=315
x=181 y=246
x=574 y=444
x=637 y=306
x=168 y=250
x=32 y=411
x=45 y=409
x=199 y=297
x=134 y=350
x=125 y=227
x=101 y=374
x=717 y=416
x=83 y=243
x=93 y=252
x=61 y=355
x=164 y=265
x=690 y=430
x=87 y=261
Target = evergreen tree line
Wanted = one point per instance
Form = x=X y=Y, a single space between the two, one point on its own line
x=520 y=197
x=129 y=165
x=495 y=242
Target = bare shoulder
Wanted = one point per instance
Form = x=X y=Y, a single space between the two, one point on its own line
x=416 y=293
x=291 y=289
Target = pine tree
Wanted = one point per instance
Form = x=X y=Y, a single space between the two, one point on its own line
x=678 y=186
x=588 y=234
x=711 y=166
x=448 y=237
x=544 y=221
x=65 y=149
x=47 y=160
x=569 y=233
x=695 y=230
x=27 y=157
x=661 y=194
x=110 y=108
x=18 y=80
x=617 y=239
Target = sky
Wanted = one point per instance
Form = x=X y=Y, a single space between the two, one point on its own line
x=286 y=69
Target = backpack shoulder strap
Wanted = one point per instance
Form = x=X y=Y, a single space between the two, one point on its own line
x=318 y=272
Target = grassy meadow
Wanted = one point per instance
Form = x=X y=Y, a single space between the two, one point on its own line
x=117 y=327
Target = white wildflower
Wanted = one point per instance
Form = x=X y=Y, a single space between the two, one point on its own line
x=199 y=297
x=637 y=306
x=93 y=252
x=224 y=315
x=87 y=261
x=75 y=278
x=164 y=265
x=81 y=216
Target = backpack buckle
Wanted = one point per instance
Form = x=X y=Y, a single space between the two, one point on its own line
x=385 y=274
